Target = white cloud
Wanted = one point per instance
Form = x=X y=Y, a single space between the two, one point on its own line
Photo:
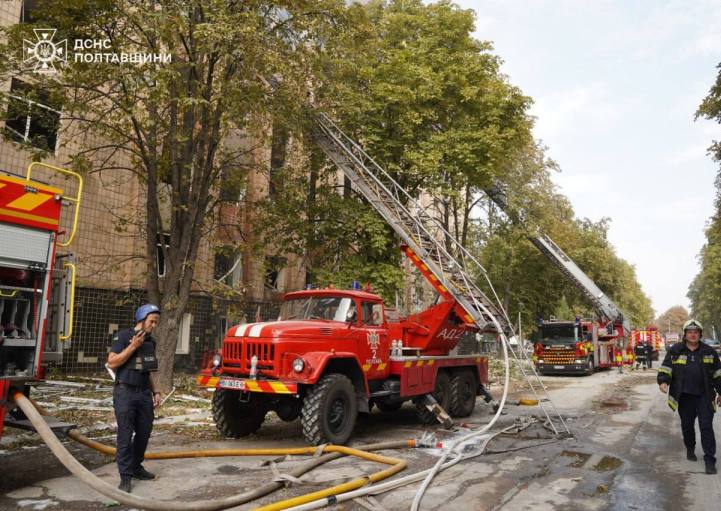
x=616 y=85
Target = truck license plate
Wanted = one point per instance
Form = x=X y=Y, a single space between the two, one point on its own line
x=558 y=367
x=232 y=384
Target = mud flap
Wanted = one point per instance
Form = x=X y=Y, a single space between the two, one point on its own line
x=432 y=405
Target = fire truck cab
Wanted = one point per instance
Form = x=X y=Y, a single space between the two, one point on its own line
x=577 y=347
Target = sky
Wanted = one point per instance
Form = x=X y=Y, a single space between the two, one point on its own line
x=615 y=86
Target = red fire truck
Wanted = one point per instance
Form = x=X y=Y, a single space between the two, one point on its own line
x=36 y=280
x=649 y=335
x=578 y=347
x=334 y=353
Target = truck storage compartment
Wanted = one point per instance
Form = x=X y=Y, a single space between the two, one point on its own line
x=20 y=299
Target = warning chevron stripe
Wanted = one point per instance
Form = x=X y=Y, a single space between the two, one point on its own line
x=419 y=363
x=374 y=367
x=30 y=203
x=265 y=386
x=207 y=381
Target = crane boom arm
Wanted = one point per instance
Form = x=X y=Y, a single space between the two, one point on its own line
x=604 y=306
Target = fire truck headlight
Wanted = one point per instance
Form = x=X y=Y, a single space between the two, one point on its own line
x=216 y=360
x=540 y=361
x=298 y=365
x=579 y=361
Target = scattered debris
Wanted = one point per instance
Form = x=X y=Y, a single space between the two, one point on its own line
x=37 y=504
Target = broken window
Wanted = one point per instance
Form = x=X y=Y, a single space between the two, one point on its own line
x=162 y=240
x=32 y=117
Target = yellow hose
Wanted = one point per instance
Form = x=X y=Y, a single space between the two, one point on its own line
x=213 y=453
x=93 y=481
x=397 y=466
x=527 y=402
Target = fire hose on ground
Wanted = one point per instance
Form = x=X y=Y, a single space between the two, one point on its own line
x=442 y=464
x=333 y=452
x=396 y=483
x=352 y=489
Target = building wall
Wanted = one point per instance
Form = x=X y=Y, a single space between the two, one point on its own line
x=99 y=313
x=110 y=249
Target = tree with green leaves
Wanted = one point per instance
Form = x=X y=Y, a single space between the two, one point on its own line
x=672 y=319
x=233 y=65
x=705 y=290
x=429 y=102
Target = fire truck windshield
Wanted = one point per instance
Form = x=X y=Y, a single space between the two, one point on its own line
x=329 y=308
x=558 y=334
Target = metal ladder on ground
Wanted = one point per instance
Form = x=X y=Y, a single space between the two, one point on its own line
x=446 y=259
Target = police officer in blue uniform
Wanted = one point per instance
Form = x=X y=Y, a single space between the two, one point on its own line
x=135 y=394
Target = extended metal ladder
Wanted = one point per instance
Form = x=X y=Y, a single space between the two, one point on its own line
x=446 y=259
x=605 y=307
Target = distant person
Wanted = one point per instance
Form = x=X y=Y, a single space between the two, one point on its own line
x=649 y=355
x=691 y=375
x=639 y=352
x=136 y=393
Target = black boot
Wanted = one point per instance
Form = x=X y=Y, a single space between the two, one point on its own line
x=710 y=467
x=690 y=455
x=124 y=484
x=141 y=473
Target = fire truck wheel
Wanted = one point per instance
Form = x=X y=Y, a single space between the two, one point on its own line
x=441 y=393
x=463 y=394
x=329 y=410
x=235 y=418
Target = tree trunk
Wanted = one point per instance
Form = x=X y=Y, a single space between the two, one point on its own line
x=167 y=335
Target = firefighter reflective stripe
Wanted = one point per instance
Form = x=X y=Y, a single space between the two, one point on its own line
x=672 y=403
x=708 y=359
x=668 y=370
x=717 y=374
x=680 y=360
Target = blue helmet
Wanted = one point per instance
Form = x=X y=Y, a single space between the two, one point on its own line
x=145 y=310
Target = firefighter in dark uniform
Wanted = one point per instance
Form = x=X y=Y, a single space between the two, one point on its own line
x=691 y=375
x=640 y=353
x=135 y=394
x=649 y=354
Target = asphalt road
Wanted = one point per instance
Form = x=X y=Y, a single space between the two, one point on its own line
x=626 y=453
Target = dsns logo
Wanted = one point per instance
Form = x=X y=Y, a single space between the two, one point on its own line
x=44 y=52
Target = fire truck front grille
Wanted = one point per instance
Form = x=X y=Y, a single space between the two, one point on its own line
x=558 y=356
x=265 y=351
x=240 y=352
x=232 y=352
